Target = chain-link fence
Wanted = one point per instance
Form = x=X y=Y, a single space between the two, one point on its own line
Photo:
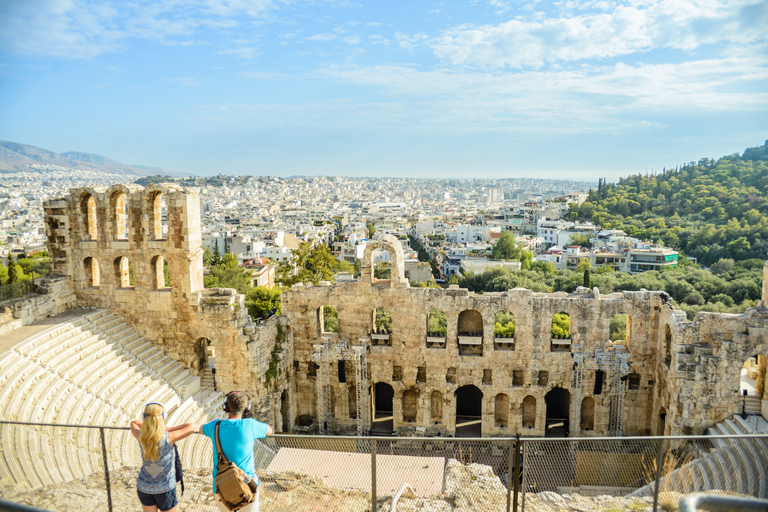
x=72 y=468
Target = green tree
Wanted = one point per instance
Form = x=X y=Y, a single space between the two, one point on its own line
x=371 y=230
x=261 y=300
x=506 y=248
x=504 y=325
x=561 y=326
x=207 y=256
x=216 y=259
x=526 y=260
x=618 y=327
x=330 y=320
x=3 y=274
x=586 y=283
x=15 y=273
x=382 y=271
x=308 y=264
x=229 y=274
x=358 y=267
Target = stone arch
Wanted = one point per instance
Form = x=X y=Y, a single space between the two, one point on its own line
x=381 y=321
x=588 y=413
x=501 y=410
x=285 y=412
x=122 y=269
x=201 y=362
x=383 y=398
x=92 y=274
x=529 y=412
x=156 y=208
x=387 y=243
x=159 y=280
x=410 y=406
x=118 y=213
x=88 y=215
x=752 y=378
x=470 y=323
x=469 y=411
x=436 y=407
x=667 y=345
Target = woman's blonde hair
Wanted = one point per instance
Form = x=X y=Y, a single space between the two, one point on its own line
x=152 y=431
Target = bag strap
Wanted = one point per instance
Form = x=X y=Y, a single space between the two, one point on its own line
x=218 y=444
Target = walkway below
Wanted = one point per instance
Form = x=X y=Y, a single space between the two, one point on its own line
x=15 y=337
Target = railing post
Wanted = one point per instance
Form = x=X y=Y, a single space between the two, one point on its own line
x=106 y=468
x=373 y=475
x=515 y=473
x=659 y=463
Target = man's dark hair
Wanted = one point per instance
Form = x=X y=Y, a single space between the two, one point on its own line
x=236 y=403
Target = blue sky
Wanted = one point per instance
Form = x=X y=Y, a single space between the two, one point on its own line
x=575 y=89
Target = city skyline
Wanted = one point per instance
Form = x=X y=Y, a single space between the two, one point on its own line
x=487 y=89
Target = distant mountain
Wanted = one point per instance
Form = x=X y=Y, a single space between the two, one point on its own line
x=15 y=157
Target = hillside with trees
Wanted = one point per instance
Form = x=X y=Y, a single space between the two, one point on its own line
x=709 y=210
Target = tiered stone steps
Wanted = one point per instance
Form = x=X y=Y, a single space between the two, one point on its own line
x=90 y=370
x=736 y=465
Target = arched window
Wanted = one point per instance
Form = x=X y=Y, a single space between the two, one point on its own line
x=410 y=406
x=160 y=276
x=436 y=407
x=437 y=323
x=122 y=272
x=88 y=213
x=328 y=320
x=118 y=206
x=92 y=275
x=158 y=216
x=501 y=410
x=470 y=333
x=504 y=331
x=529 y=412
x=588 y=413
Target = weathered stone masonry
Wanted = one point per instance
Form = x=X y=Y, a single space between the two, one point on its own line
x=109 y=246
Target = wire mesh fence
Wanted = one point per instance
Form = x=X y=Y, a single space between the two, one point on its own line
x=68 y=468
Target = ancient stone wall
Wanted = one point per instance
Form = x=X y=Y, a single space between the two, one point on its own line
x=54 y=295
x=114 y=247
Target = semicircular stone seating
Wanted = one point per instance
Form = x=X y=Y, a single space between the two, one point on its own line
x=90 y=370
x=734 y=465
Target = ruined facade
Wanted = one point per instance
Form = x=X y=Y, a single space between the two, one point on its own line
x=137 y=251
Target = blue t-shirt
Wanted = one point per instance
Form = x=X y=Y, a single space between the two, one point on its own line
x=237 y=437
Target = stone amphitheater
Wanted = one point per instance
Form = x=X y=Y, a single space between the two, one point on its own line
x=107 y=332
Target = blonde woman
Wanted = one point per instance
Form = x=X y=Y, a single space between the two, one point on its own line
x=156 y=484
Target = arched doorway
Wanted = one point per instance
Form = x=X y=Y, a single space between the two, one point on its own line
x=285 y=410
x=558 y=402
x=469 y=411
x=752 y=384
x=383 y=396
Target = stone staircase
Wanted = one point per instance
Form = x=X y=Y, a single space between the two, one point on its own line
x=735 y=465
x=90 y=370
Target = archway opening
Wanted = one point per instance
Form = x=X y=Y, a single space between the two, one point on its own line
x=667 y=345
x=285 y=412
x=383 y=397
x=122 y=272
x=119 y=214
x=382 y=321
x=158 y=216
x=437 y=323
x=470 y=325
x=529 y=412
x=204 y=361
x=160 y=274
x=88 y=213
x=561 y=332
x=501 y=410
x=558 y=402
x=469 y=411
x=504 y=331
x=92 y=275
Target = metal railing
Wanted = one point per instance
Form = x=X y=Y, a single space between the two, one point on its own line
x=71 y=467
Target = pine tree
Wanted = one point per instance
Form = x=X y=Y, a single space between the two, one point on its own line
x=216 y=254
x=15 y=273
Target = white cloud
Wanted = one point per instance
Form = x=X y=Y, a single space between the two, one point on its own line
x=322 y=37
x=626 y=29
x=186 y=81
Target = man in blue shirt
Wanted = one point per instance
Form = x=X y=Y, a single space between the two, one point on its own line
x=237 y=435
